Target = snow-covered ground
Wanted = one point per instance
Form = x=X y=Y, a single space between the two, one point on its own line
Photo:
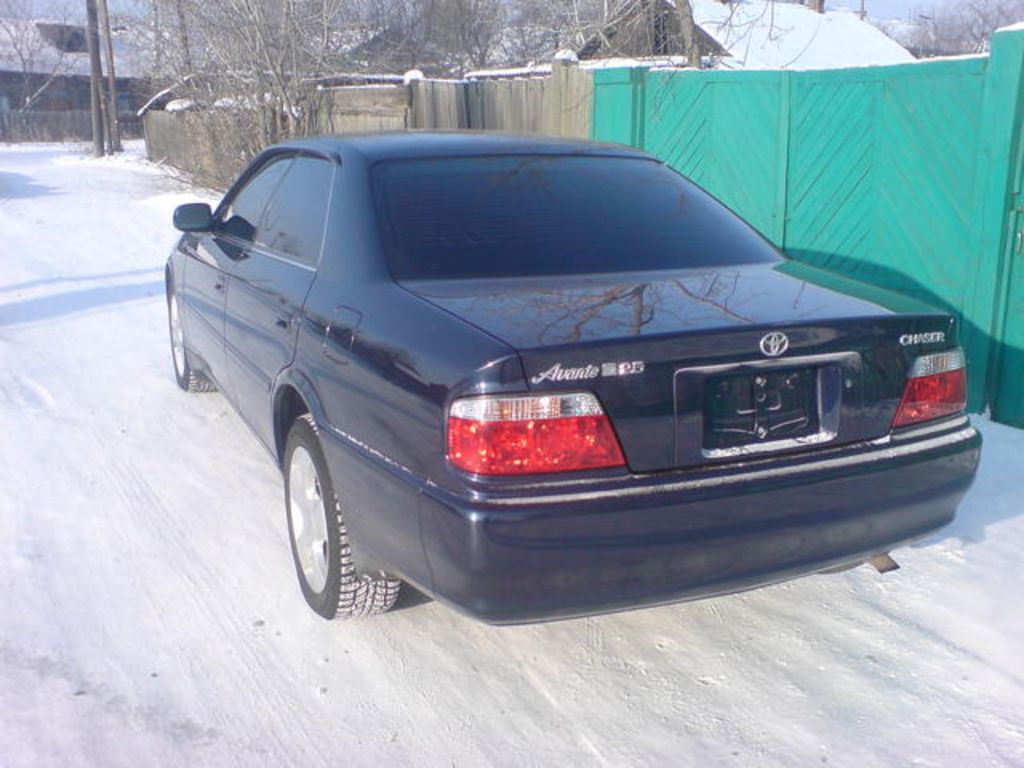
x=149 y=614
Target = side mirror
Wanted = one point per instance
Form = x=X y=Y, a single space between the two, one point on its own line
x=193 y=217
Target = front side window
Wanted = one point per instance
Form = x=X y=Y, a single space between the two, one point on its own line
x=511 y=216
x=246 y=208
x=293 y=222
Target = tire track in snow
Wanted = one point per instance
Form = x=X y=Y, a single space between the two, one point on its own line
x=567 y=726
x=154 y=719
x=22 y=393
x=205 y=601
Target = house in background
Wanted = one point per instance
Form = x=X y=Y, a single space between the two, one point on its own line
x=747 y=34
x=638 y=29
x=44 y=67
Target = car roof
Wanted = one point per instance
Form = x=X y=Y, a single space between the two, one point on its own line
x=405 y=145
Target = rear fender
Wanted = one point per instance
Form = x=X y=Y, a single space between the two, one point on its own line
x=288 y=381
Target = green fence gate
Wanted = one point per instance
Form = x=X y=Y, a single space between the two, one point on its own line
x=904 y=177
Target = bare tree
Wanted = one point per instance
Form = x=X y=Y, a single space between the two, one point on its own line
x=251 y=64
x=254 y=68
x=647 y=28
x=963 y=27
x=447 y=37
x=271 y=51
x=474 y=28
x=161 y=33
x=39 y=52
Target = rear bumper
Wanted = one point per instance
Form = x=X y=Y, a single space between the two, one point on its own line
x=555 y=552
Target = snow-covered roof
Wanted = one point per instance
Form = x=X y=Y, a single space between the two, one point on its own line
x=30 y=45
x=761 y=34
x=542 y=70
x=161 y=99
x=354 y=78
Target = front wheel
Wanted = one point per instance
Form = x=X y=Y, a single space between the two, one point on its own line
x=319 y=539
x=188 y=379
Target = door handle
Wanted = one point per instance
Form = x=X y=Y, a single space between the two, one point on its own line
x=218 y=286
x=283 y=322
x=1020 y=241
x=340 y=334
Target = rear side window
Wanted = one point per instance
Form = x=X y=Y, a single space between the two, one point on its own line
x=245 y=209
x=293 y=223
x=540 y=215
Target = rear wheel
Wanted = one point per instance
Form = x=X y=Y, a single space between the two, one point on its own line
x=187 y=378
x=321 y=549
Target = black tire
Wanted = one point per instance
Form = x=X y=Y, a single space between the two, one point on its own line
x=346 y=592
x=188 y=379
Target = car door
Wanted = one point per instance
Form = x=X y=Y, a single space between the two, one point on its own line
x=203 y=294
x=207 y=271
x=270 y=284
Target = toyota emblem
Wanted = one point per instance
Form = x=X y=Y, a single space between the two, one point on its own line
x=774 y=344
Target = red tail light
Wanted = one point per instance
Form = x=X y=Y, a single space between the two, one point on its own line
x=936 y=387
x=528 y=435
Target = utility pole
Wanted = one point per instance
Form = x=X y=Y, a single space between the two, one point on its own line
x=113 y=131
x=863 y=12
x=158 y=43
x=183 y=35
x=95 y=76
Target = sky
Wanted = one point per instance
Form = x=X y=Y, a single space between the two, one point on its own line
x=879 y=9
x=892 y=9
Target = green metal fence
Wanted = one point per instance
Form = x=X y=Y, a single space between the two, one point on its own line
x=902 y=177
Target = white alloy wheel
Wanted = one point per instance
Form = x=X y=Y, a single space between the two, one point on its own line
x=308 y=518
x=177 y=339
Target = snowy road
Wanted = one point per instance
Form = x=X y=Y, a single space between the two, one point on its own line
x=149 y=614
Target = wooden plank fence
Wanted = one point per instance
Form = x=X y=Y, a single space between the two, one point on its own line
x=57 y=126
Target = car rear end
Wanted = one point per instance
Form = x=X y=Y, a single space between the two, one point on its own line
x=580 y=530
x=693 y=420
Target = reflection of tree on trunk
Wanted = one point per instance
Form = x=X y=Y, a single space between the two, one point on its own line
x=720 y=305
x=631 y=294
x=638 y=309
x=639 y=304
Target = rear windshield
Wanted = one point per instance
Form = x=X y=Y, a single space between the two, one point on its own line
x=446 y=218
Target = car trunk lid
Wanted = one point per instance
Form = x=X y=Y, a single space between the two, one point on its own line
x=690 y=365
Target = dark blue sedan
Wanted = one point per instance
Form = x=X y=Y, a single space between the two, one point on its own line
x=539 y=378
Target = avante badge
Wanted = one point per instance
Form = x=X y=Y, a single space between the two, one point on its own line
x=559 y=373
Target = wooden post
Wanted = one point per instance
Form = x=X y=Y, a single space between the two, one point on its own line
x=113 y=131
x=95 y=76
x=688 y=32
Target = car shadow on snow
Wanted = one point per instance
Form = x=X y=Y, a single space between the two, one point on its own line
x=78 y=279
x=992 y=498
x=16 y=186
x=43 y=308
x=410 y=597
x=995 y=495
